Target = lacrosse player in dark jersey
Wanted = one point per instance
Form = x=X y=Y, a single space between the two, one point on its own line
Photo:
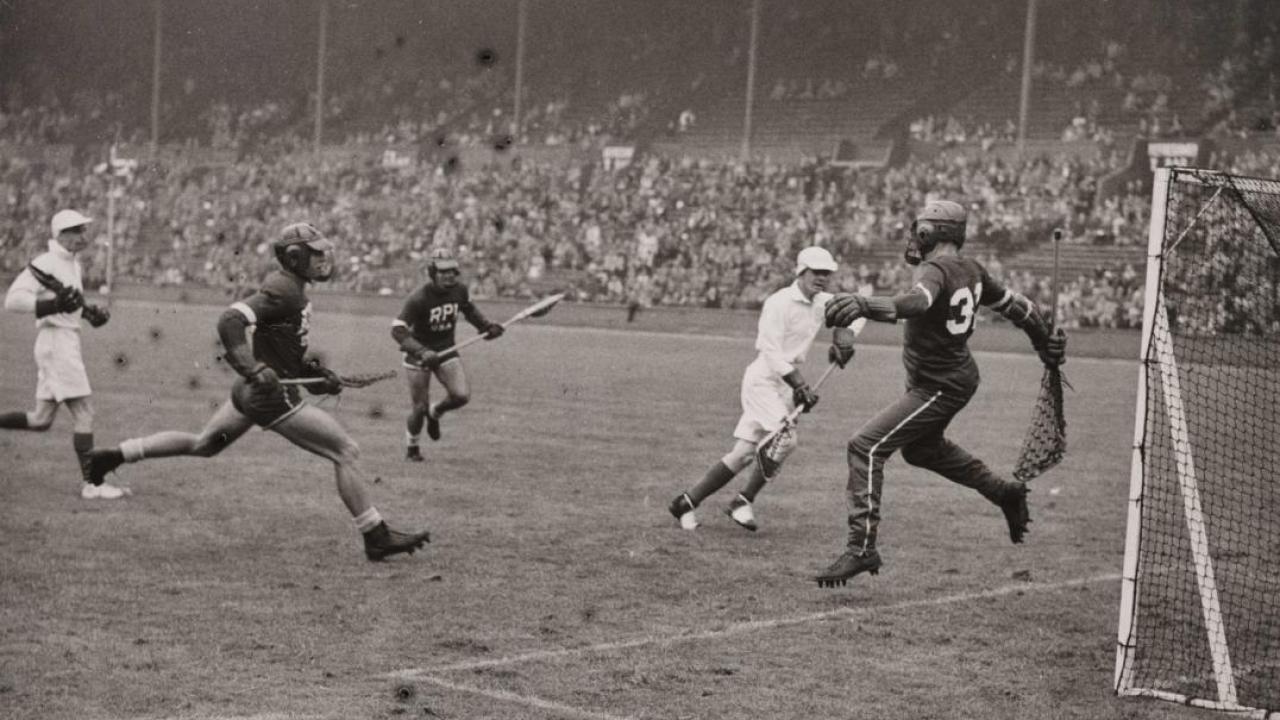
x=423 y=330
x=940 y=311
x=280 y=314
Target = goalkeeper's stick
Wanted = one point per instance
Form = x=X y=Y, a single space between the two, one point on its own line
x=1046 y=441
x=358 y=380
x=766 y=449
x=538 y=309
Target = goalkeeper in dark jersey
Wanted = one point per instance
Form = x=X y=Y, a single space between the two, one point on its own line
x=940 y=312
x=281 y=315
x=423 y=330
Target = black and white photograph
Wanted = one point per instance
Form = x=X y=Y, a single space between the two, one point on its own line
x=639 y=359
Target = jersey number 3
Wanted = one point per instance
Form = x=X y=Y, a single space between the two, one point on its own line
x=964 y=310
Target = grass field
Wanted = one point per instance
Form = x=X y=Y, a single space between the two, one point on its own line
x=557 y=585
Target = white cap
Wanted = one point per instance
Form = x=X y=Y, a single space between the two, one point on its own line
x=815 y=258
x=65 y=219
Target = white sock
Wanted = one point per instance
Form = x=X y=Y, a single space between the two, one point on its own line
x=432 y=412
x=368 y=520
x=410 y=439
x=132 y=450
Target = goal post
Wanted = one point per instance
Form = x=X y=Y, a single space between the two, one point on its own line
x=1199 y=620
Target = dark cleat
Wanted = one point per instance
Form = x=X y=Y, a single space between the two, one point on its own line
x=102 y=462
x=433 y=427
x=1014 y=506
x=413 y=454
x=382 y=542
x=848 y=565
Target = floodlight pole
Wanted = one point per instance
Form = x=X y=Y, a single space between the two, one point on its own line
x=751 y=80
x=522 y=18
x=158 y=26
x=320 y=53
x=1028 y=58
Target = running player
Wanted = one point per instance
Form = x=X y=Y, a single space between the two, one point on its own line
x=60 y=375
x=772 y=385
x=281 y=315
x=424 y=328
x=940 y=310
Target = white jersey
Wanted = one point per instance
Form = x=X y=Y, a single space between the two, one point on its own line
x=789 y=323
x=25 y=290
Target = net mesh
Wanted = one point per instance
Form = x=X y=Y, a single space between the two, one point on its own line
x=1211 y=467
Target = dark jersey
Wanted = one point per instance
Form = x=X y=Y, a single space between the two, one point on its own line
x=936 y=344
x=431 y=313
x=281 y=314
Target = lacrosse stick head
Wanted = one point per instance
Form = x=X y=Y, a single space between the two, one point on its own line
x=366 y=379
x=544 y=306
x=774 y=449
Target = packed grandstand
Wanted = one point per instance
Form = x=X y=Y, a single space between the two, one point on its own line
x=624 y=173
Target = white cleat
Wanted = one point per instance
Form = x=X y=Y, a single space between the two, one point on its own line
x=682 y=509
x=105 y=491
x=741 y=512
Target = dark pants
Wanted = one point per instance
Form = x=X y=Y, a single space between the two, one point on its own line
x=265 y=408
x=915 y=425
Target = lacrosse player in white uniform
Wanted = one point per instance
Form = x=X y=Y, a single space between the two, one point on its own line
x=772 y=386
x=58 y=304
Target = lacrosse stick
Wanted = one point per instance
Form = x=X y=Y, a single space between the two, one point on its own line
x=358 y=380
x=1045 y=443
x=538 y=309
x=767 y=449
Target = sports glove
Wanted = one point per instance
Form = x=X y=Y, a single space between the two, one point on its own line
x=68 y=299
x=1054 y=350
x=844 y=309
x=801 y=393
x=428 y=359
x=332 y=384
x=96 y=316
x=840 y=354
x=493 y=331
x=263 y=380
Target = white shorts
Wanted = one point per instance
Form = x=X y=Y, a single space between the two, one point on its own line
x=60 y=373
x=766 y=400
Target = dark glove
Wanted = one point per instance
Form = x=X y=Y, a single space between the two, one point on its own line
x=96 y=316
x=840 y=354
x=332 y=384
x=263 y=380
x=48 y=306
x=801 y=393
x=493 y=331
x=68 y=300
x=428 y=359
x=1054 y=351
x=844 y=308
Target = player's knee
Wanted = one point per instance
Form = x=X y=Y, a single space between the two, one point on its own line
x=917 y=456
x=739 y=457
x=860 y=446
x=347 y=452
x=210 y=445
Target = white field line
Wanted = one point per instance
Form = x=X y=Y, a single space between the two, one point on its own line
x=516 y=699
x=741 y=628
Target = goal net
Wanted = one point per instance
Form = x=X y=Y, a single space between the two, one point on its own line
x=1200 y=601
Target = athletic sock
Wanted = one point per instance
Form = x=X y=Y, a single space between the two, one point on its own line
x=83 y=443
x=754 y=485
x=132 y=450
x=368 y=520
x=14 y=421
x=717 y=477
x=410 y=439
